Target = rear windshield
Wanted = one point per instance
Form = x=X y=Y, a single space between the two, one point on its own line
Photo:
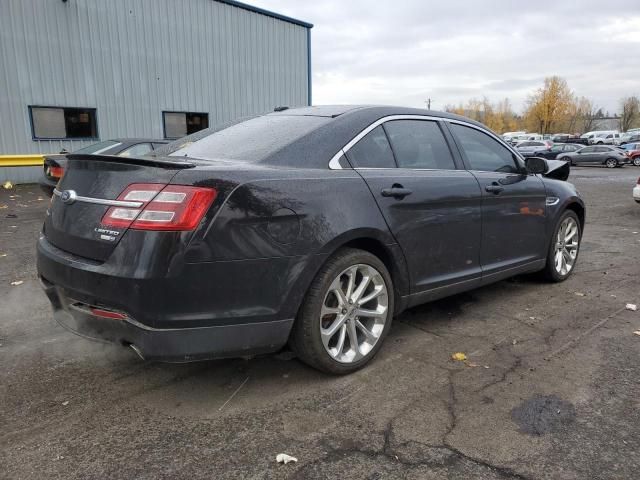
x=251 y=140
x=98 y=147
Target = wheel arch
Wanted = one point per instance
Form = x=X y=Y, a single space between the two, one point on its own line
x=370 y=240
x=579 y=211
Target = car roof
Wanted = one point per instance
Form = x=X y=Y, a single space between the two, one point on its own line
x=138 y=140
x=371 y=111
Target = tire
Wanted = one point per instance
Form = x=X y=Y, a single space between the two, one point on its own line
x=311 y=330
x=611 y=163
x=636 y=161
x=552 y=271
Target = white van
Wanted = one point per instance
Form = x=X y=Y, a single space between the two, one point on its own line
x=610 y=137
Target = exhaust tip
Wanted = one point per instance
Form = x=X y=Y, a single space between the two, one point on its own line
x=137 y=350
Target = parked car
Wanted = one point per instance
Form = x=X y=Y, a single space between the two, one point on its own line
x=636 y=191
x=313 y=226
x=605 y=138
x=596 y=155
x=626 y=139
x=633 y=152
x=54 y=165
x=566 y=138
x=556 y=150
x=528 y=148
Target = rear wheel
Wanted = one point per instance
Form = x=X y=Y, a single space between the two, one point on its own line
x=611 y=163
x=563 y=248
x=346 y=313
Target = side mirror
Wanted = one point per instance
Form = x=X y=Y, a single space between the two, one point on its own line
x=536 y=165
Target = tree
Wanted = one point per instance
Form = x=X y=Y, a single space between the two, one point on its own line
x=587 y=112
x=550 y=105
x=630 y=112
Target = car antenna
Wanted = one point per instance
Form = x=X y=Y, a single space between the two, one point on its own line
x=280 y=109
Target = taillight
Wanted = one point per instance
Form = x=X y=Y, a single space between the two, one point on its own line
x=55 y=172
x=171 y=207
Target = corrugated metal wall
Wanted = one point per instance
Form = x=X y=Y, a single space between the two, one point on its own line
x=133 y=59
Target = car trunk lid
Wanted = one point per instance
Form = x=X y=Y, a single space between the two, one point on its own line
x=82 y=197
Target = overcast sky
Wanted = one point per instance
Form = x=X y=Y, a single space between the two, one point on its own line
x=404 y=51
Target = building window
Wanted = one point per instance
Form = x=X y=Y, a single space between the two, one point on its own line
x=179 y=124
x=56 y=123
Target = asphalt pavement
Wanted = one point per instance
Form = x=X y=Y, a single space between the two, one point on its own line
x=549 y=389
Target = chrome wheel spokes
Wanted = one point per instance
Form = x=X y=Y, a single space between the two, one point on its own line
x=354 y=313
x=566 y=247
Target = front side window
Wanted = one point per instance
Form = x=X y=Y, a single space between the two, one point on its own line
x=482 y=152
x=372 y=151
x=419 y=144
x=62 y=123
x=179 y=124
x=587 y=150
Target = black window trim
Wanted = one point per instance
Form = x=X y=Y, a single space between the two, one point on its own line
x=164 y=126
x=334 y=163
x=72 y=139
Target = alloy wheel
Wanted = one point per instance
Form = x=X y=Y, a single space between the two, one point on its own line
x=611 y=163
x=354 y=313
x=566 y=248
x=636 y=161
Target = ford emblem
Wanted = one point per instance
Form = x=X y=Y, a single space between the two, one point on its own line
x=68 y=197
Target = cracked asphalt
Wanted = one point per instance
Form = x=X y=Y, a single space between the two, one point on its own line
x=549 y=391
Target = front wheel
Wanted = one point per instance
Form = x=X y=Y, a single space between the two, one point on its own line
x=564 y=247
x=636 y=161
x=611 y=163
x=346 y=313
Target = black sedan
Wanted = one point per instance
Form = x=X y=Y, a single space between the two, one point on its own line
x=610 y=157
x=54 y=165
x=557 y=150
x=310 y=226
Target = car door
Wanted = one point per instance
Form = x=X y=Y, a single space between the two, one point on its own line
x=431 y=206
x=585 y=155
x=600 y=154
x=514 y=223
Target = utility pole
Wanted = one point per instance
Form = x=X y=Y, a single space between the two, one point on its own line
x=427 y=102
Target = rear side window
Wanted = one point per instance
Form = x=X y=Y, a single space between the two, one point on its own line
x=483 y=153
x=419 y=144
x=372 y=151
x=136 y=150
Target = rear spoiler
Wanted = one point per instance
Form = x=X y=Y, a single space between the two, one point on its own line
x=161 y=162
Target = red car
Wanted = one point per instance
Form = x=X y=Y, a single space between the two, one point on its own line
x=633 y=152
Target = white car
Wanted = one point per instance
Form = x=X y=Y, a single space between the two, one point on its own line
x=636 y=191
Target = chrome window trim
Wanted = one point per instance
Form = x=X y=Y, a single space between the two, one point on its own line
x=101 y=201
x=334 y=163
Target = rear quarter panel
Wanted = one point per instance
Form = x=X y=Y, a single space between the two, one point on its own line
x=302 y=215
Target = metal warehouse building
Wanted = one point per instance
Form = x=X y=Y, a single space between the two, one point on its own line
x=73 y=72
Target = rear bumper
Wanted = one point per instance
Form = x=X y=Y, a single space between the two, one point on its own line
x=208 y=310
x=170 y=345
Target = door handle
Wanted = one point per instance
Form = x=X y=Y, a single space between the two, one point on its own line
x=396 y=191
x=494 y=188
